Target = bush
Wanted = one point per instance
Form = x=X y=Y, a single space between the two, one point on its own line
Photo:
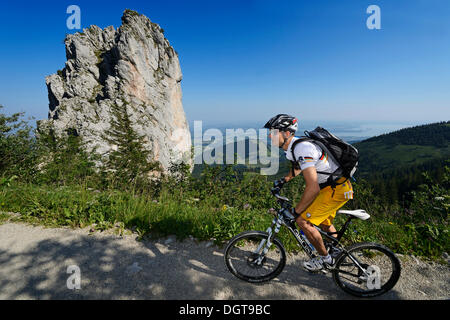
x=63 y=160
x=17 y=147
x=427 y=218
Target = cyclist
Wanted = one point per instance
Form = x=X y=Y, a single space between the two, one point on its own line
x=320 y=200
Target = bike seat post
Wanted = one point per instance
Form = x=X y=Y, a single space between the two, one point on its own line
x=344 y=228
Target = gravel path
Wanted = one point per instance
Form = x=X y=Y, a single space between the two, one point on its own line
x=34 y=263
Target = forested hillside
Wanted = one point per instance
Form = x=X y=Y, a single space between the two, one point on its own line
x=394 y=163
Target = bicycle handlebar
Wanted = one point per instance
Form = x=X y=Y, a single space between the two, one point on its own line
x=276 y=193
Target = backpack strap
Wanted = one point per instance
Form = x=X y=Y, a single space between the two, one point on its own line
x=330 y=181
x=294 y=165
x=303 y=139
x=295 y=143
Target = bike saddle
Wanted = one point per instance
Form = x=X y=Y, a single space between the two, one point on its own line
x=360 y=214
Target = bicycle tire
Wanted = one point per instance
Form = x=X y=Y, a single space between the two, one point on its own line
x=249 y=235
x=343 y=260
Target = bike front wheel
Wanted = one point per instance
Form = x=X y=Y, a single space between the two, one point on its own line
x=367 y=270
x=244 y=257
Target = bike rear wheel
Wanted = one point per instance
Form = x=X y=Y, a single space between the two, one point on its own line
x=245 y=261
x=378 y=271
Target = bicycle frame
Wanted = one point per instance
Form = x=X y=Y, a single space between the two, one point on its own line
x=274 y=229
x=278 y=221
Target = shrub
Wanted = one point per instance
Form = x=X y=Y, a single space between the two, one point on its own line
x=17 y=147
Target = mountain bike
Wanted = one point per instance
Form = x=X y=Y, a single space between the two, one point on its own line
x=362 y=270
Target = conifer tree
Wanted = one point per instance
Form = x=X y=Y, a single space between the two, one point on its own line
x=128 y=161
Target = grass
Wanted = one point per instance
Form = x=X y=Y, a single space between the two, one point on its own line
x=132 y=13
x=4 y=217
x=78 y=207
x=169 y=214
x=99 y=56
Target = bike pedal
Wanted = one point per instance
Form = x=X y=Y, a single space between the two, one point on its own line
x=314 y=272
x=328 y=268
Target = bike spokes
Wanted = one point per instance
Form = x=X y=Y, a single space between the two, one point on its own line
x=249 y=258
x=367 y=270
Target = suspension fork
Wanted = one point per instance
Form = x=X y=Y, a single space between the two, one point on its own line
x=267 y=243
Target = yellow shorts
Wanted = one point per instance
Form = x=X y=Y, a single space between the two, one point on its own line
x=323 y=209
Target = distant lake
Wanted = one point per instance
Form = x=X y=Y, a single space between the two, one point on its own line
x=349 y=131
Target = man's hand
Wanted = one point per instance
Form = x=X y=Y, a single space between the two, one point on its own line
x=294 y=213
x=279 y=183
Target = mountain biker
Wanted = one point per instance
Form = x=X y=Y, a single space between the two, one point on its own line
x=319 y=201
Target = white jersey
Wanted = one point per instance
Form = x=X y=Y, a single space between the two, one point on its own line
x=309 y=154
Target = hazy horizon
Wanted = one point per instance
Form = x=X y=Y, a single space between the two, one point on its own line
x=347 y=130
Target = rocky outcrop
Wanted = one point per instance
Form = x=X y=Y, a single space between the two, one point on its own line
x=133 y=69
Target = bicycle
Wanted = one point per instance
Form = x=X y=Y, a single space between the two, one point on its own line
x=363 y=270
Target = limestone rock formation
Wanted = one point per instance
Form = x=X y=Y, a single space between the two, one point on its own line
x=133 y=69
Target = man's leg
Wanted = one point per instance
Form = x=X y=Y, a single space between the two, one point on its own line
x=313 y=235
x=328 y=228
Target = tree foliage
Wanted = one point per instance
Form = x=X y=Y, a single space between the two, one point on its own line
x=128 y=162
x=17 y=148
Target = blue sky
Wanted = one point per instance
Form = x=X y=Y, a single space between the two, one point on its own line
x=244 y=61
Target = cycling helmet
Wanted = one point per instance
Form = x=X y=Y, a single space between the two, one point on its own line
x=283 y=122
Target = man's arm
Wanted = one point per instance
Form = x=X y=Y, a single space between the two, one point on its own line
x=311 y=191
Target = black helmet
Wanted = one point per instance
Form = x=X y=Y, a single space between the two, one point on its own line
x=283 y=122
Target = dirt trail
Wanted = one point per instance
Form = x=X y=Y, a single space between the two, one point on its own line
x=34 y=263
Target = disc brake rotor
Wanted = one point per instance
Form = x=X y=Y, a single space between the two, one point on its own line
x=252 y=261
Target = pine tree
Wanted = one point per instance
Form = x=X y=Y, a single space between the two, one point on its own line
x=129 y=161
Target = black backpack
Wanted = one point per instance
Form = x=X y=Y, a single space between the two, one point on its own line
x=342 y=153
